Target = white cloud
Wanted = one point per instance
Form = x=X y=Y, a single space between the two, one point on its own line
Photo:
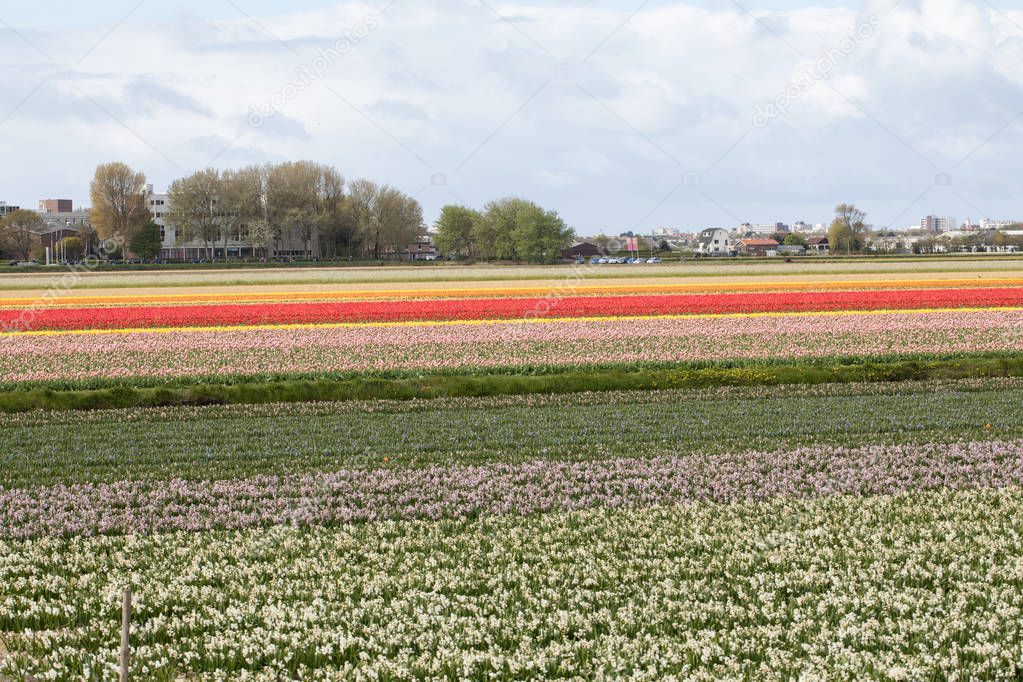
x=447 y=86
x=555 y=179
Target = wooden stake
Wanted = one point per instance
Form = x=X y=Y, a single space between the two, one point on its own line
x=125 y=634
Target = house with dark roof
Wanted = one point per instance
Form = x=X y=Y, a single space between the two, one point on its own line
x=581 y=250
x=757 y=247
x=817 y=245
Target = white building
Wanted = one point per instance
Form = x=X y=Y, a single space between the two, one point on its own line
x=988 y=224
x=763 y=228
x=6 y=208
x=158 y=205
x=714 y=241
x=933 y=223
x=74 y=220
x=238 y=245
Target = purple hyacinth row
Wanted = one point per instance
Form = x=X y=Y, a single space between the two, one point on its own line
x=434 y=492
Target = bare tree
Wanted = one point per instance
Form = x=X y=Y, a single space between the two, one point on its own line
x=292 y=200
x=118 y=201
x=241 y=203
x=334 y=219
x=363 y=206
x=847 y=229
x=19 y=232
x=194 y=207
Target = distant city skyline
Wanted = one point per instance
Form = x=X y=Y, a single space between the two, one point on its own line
x=612 y=113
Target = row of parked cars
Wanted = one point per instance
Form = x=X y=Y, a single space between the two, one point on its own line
x=608 y=260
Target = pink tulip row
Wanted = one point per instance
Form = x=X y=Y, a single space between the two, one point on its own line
x=412 y=346
x=433 y=492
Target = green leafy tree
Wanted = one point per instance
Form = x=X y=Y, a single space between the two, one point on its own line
x=494 y=234
x=516 y=229
x=795 y=239
x=146 y=243
x=540 y=236
x=455 y=227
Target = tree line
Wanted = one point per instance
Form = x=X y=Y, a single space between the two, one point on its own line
x=506 y=229
x=300 y=202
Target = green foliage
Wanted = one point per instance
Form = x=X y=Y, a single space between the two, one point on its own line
x=516 y=229
x=146 y=243
x=492 y=234
x=455 y=227
x=794 y=239
x=219 y=442
x=540 y=236
x=118 y=394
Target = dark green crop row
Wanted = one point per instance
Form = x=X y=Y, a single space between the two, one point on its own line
x=897 y=366
x=223 y=442
x=125 y=393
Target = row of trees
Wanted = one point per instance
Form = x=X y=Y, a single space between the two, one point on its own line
x=506 y=229
x=298 y=202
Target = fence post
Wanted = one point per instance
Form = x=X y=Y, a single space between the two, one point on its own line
x=125 y=634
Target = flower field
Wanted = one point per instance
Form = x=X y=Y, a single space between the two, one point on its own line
x=768 y=530
x=507 y=308
x=476 y=347
x=75 y=342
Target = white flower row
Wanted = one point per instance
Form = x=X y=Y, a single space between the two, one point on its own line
x=914 y=586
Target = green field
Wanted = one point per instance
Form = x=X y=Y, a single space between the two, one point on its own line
x=920 y=584
x=233 y=441
x=828 y=494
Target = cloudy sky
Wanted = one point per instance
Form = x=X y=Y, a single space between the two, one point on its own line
x=620 y=115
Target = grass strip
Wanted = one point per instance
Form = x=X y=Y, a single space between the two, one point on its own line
x=496 y=384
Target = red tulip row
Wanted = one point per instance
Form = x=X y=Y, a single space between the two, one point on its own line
x=503 y=308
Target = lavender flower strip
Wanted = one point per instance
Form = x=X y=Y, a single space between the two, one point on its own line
x=357 y=495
